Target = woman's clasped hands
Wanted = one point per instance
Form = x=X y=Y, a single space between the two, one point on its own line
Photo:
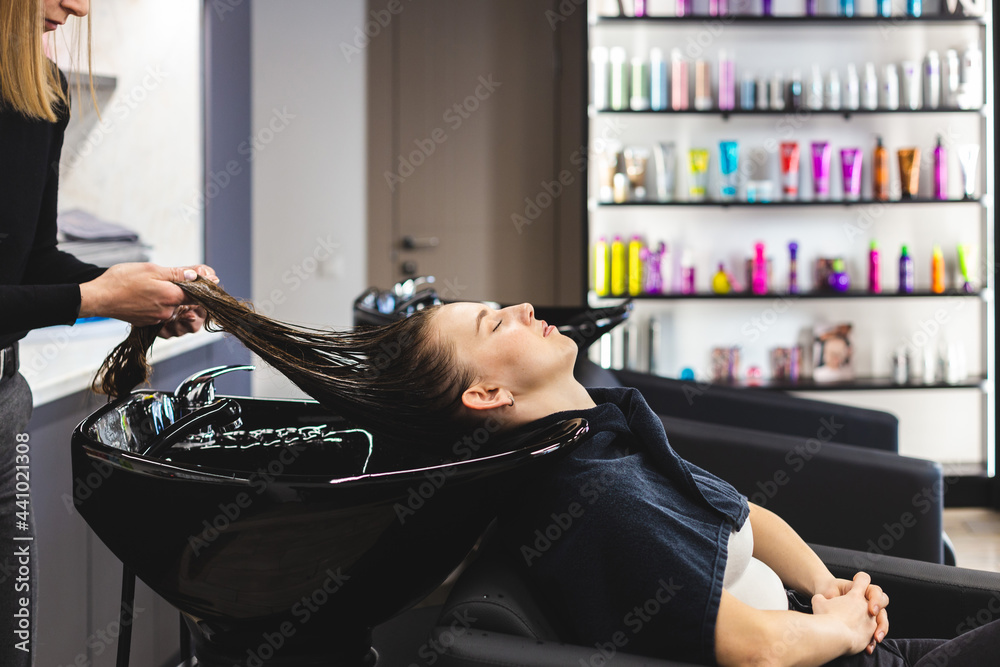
x=860 y=605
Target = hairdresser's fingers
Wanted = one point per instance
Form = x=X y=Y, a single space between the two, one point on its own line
x=205 y=271
x=186 y=319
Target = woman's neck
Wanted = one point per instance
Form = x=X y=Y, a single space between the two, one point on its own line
x=568 y=395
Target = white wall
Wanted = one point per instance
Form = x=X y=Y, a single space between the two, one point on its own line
x=309 y=212
x=141 y=164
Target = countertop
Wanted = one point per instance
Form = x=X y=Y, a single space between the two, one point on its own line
x=59 y=361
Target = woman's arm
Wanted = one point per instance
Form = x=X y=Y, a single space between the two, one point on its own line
x=777 y=545
x=748 y=636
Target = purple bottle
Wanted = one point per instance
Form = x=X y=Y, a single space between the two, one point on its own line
x=639 y=8
x=839 y=280
x=905 y=271
x=810 y=7
x=940 y=171
x=652 y=260
x=793 y=268
x=766 y=8
x=718 y=7
x=683 y=8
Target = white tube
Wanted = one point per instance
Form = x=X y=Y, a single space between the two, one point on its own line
x=602 y=74
x=889 y=98
x=910 y=93
x=665 y=154
x=968 y=154
x=869 y=95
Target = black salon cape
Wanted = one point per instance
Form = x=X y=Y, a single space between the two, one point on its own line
x=627 y=540
x=39 y=284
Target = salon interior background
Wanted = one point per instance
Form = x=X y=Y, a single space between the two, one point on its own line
x=373 y=141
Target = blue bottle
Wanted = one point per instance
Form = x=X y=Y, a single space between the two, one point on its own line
x=847 y=7
x=914 y=7
x=883 y=7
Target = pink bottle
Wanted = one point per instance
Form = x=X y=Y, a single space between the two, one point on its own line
x=759 y=284
x=679 y=87
x=874 y=270
x=727 y=82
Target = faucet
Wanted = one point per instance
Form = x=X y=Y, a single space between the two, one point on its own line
x=198 y=391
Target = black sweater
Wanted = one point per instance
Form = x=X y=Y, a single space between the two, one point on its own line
x=39 y=284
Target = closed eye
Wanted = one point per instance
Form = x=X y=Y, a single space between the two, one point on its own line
x=498 y=325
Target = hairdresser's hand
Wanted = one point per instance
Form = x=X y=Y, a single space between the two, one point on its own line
x=877 y=602
x=139 y=293
x=188 y=318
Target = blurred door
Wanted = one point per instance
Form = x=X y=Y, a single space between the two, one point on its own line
x=473 y=121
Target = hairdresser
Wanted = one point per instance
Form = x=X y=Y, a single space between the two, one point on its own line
x=40 y=285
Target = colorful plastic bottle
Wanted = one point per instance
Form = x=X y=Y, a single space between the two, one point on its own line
x=619 y=268
x=874 y=270
x=720 y=281
x=635 y=248
x=940 y=171
x=905 y=271
x=652 y=271
x=963 y=267
x=880 y=167
x=759 y=280
x=602 y=274
x=687 y=272
x=793 y=268
x=937 y=270
x=839 y=280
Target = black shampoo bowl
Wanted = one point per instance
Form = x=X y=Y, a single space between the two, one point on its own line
x=282 y=532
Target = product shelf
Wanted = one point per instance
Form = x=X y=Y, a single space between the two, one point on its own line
x=829 y=202
x=801 y=112
x=819 y=21
x=855 y=384
x=825 y=294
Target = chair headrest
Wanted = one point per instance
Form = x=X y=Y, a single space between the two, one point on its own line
x=590 y=374
x=494 y=592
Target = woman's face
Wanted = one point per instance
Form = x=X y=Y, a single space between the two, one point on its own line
x=57 y=11
x=506 y=348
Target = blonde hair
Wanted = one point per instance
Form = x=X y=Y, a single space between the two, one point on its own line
x=29 y=81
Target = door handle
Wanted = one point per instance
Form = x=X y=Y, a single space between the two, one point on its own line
x=415 y=243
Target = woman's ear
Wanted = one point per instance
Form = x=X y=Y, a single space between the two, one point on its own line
x=483 y=397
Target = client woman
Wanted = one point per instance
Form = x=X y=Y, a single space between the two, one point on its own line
x=644 y=524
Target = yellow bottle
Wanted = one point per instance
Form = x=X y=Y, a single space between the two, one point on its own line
x=602 y=274
x=619 y=270
x=720 y=281
x=937 y=271
x=635 y=247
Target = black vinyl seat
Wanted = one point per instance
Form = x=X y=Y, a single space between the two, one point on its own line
x=769 y=447
x=795 y=472
x=760 y=410
x=493 y=616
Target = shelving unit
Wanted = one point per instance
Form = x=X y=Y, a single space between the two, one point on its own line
x=725 y=230
x=855 y=294
x=856 y=384
x=797 y=203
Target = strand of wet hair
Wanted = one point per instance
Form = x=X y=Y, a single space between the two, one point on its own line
x=345 y=370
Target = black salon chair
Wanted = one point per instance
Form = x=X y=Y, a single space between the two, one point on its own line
x=493 y=616
x=895 y=502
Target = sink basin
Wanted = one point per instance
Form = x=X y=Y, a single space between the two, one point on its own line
x=280 y=530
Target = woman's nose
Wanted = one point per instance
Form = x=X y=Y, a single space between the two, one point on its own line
x=77 y=7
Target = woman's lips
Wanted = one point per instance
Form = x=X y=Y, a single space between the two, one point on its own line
x=50 y=25
x=549 y=329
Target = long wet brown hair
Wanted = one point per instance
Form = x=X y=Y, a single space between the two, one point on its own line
x=399 y=380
